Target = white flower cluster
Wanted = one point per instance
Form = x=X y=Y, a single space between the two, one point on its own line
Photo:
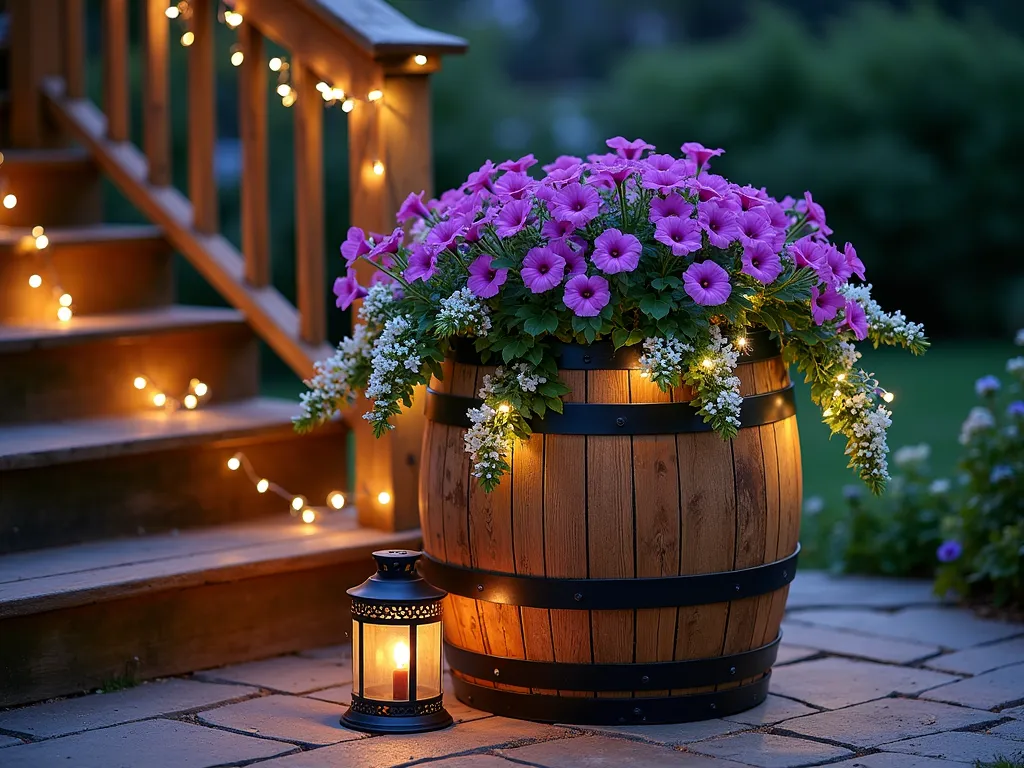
x=489 y=440
x=887 y=328
x=911 y=455
x=663 y=359
x=1019 y=338
x=374 y=310
x=719 y=387
x=335 y=380
x=866 y=444
x=1015 y=365
x=978 y=420
x=527 y=380
x=463 y=312
x=395 y=365
x=848 y=355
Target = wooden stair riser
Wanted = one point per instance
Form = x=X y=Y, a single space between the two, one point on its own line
x=95 y=378
x=102 y=277
x=174 y=631
x=55 y=188
x=189 y=486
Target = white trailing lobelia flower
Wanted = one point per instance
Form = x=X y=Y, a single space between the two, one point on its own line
x=893 y=328
x=711 y=373
x=463 y=313
x=395 y=362
x=663 y=359
x=489 y=439
x=336 y=379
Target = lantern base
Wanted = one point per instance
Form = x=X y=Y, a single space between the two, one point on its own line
x=370 y=716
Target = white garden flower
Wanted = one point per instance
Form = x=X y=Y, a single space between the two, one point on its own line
x=978 y=420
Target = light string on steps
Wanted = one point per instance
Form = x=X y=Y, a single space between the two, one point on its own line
x=298 y=505
x=198 y=392
x=39 y=244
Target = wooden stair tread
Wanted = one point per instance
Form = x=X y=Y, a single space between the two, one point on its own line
x=42 y=444
x=48 y=159
x=45 y=334
x=96 y=233
x=65 y=577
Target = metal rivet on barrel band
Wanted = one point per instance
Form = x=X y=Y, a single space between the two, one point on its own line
x=577 y=597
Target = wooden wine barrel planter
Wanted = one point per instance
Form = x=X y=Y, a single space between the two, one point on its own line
x=634 y=566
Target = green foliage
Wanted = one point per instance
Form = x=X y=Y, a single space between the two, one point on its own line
x=1016 y=761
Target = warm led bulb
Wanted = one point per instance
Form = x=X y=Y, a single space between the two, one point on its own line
x=741 y=342
x=298 y=503
x=10 y=201
x=35 y=281
x=172 y=12
x=378 y=168
x=504 y=408
x=337 y=94
x=283 y=89
x=289 y=99
x=420 y=59
x=65 y=300
x=42 y=241
x=323 y=87
x=384 y=497
x=159 y=399
x=64 y=314
x=841 y=377
x=401 y=654
x=707 y=362
x=263 y=485
x=888 y=397
x=237 y=57
x=140 y=382
x=200 y=389
x=348 y=105
x=645 y=374
x=232 y=18
x=190 y=401
x=234 y=463
x=336 y=499
x=37 y=231
x=275 y=64
x=188 y=38
x=308 y=516
x=375 y=95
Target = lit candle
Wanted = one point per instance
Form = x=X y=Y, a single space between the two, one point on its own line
x=400 y=677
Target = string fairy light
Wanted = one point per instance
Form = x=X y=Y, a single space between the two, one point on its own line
x=197 y=392
x=420 y=59
x=40 y=243
x=297 y=503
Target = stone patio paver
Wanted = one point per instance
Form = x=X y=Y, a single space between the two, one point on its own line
x=145 y=744
x=766 y=750
x=674 y=735
x=339 y=694
x=958 y=745
x=847 y=643
x=983 y=658
x=288 y=718
x=775 y=709
x=603 y=752
x=1013 y=729
x=824 y=590
x=161 y=697
x=790 y=653
x=895 y=760
x=379 y=751
x=833 y=683
x=474 y=761
x=460 y=712
x=879 y=722
x=288 y=674
x=1017 y=712
x=9 y=741
x=339 y=654
x=991 y=689
x=956 y=628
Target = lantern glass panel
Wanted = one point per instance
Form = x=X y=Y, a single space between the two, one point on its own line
x=355 y=656
x=428 y=660
x=386 y=662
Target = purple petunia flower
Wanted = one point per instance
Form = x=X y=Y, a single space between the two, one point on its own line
x=825 y=305
x=611 y=175
x=519 y=165
x=562 y=162
x=683 y=236
x=987 y=385
x=422 y=262
x=412 y=208
x=576 y=203
x=855 y=319
x=699 y=153
x=587 y=296
x=707 y=283
x=556 y=230
x=630 y=150
x=484 y=280
x=999 y=473
x=856 y=265
x=543 y=269
x=949 y=551
x=386 y=246
x=616 y=252
x=445 y=233
x=480 y=179
x=348 y=289
x=815 y=213
x=559 y=177
x=761 y=262
x=575 y=263
x=807 y=252
x=754 y=226
x=719 y=223
x=514 y=185
x=673 y=205
x=355 y=245
x=663 y=181
x=1015 y=409
x=751 y=197
x=512 y=218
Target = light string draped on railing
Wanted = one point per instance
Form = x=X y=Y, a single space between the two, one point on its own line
x=197 y=393
x=298 y=504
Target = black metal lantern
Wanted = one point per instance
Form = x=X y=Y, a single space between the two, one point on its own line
x=396 y=650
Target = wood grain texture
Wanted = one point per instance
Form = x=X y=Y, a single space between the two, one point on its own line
x=252 y=110
x=115 y=69
x=431 y=491
x=309 y=206
x=74 y=47
x=156 y=118
x=202 y=119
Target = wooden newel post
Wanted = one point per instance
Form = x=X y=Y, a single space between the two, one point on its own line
x=395 y=132
x=36 y=26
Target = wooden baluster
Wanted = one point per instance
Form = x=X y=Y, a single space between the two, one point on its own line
x=155 y=95
x=252 y=103
x=309 y=205
x=396 y=132
x=74 y=48
x=202 y=119
x=115 y=68
x=34 y=53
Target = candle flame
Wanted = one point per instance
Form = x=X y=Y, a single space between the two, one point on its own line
x=401 y=655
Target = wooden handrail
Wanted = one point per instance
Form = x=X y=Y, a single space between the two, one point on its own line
x=360 y=46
